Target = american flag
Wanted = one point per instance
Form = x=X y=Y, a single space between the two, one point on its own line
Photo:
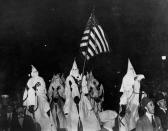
x=93 y=41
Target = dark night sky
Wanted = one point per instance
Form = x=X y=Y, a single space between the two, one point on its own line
x=137 y=29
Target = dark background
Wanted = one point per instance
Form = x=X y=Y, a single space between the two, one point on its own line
x=47 y=34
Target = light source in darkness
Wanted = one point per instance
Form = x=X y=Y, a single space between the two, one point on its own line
x=163 y=57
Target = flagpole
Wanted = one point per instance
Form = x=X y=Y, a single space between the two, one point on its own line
x=84 y=63
x=97 y=115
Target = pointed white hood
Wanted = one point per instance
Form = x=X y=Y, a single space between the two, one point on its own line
x=130 y=69
x=128 y=79
x=75 y=71
x=34 y=71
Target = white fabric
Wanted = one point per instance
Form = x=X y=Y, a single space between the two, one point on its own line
x=130 y=68
x=130 y=88
x=41 y=91
x=70 y=108
x=73 y=86
x=68 y=94
x=34 y=72
x=75 y=71
x=86 y=113
x=40 y=101
x=88 y=117
x=84 y=85
x=128 y=79
x=30 y=97
x=127 y=84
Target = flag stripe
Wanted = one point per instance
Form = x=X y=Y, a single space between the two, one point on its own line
x=90 y=52
x=103 y=38
x=83 y=44
x=93 y=41
x=98 y=41
x=90 y=49
x=86 y=31
x=102 y=32
x=93 y=46
x=85 y=38
x=89 y=45
x=98 y=33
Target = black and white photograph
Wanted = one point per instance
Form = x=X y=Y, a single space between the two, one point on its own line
x=83 y=65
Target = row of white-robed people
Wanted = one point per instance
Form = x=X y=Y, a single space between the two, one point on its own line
x=74 y=103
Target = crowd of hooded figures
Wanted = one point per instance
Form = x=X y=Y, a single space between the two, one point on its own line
x=75 y=104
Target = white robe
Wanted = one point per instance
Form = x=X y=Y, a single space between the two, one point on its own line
x=86 y=114
x=40 y=100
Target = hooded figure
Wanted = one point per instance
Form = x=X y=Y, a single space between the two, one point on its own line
x=36 y=101
x=77 y=107
x=29 y=96
x=129 y=101
x=71 y=107
x=127 y=84
x=75 y=71
x=72 y=81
